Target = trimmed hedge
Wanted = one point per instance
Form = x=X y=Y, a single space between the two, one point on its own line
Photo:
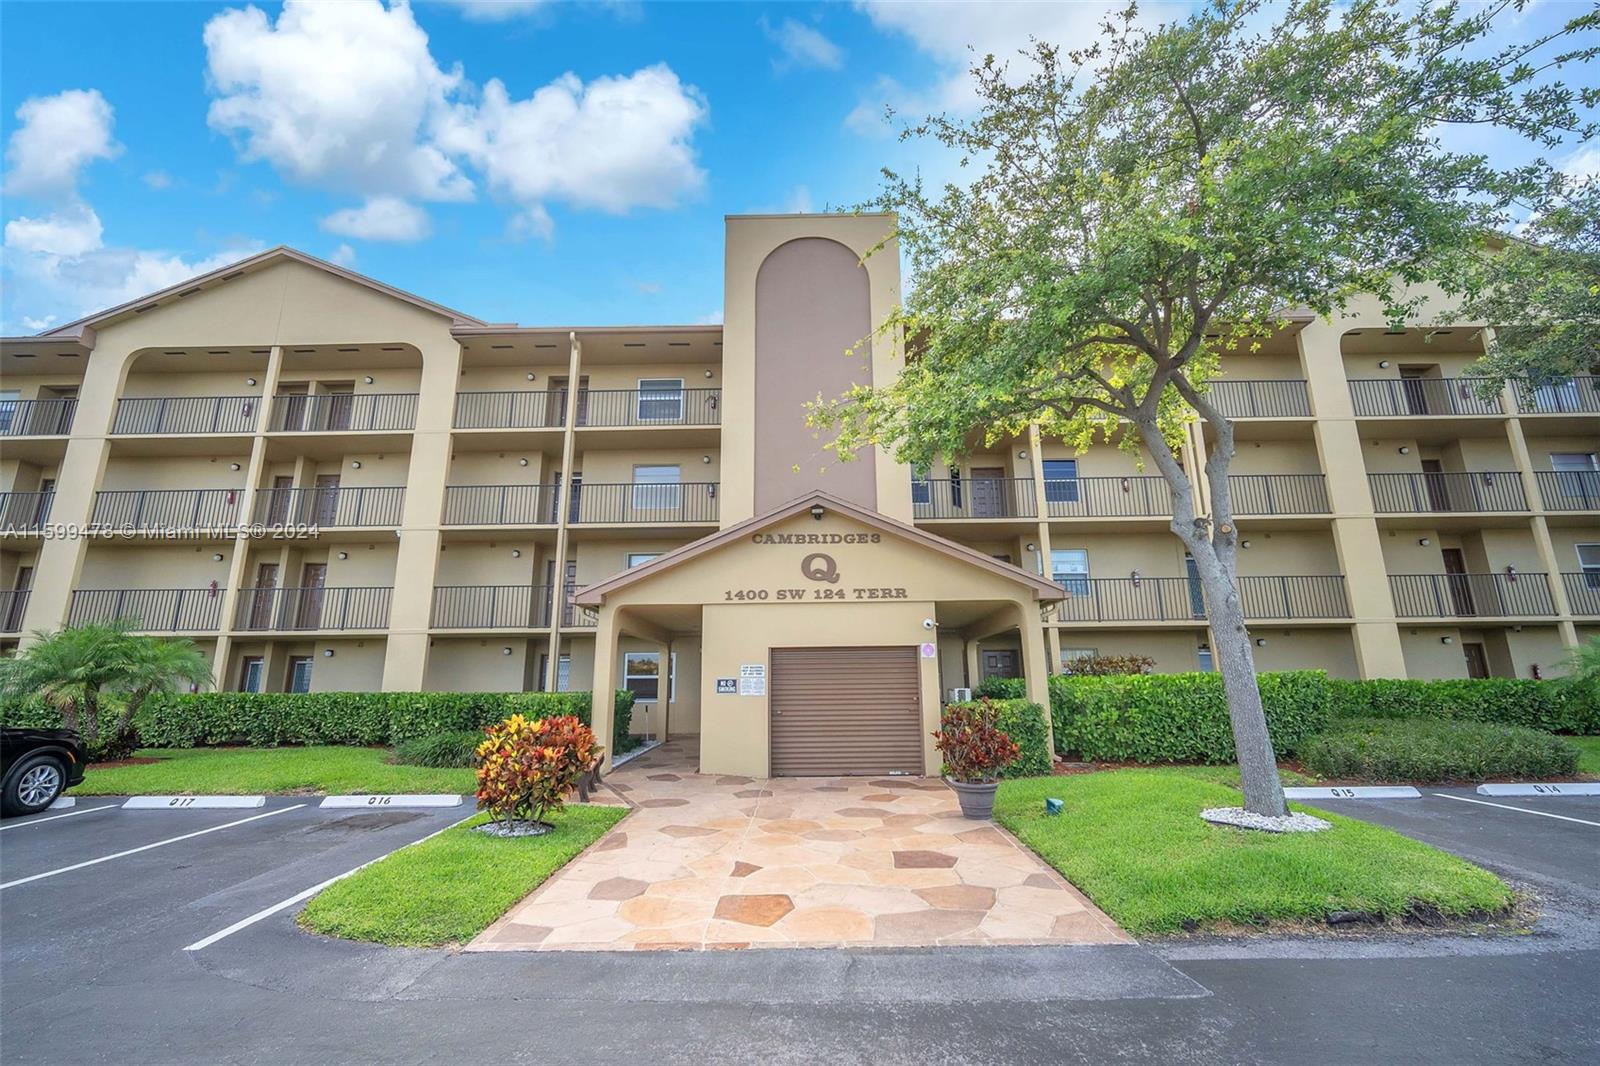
x=1548 y=705
x=1024 y=723
x=1001 y=688
x=1420 y=750
x=1178 y=717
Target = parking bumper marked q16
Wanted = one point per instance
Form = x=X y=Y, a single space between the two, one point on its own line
x=1349 y=792
x=193 y=803
x=1537 y=789
x=374 y=802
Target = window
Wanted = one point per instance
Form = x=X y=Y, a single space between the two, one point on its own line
x=250 y=674
x=10 y=401
x=564 y=674
x=955 y=488
x=1069 y=568
x=1061 y=480
x=641 y=675
x=921 y=491
x=1069 y=656
x=1559 y=395
x=1589 y=564
x=1577 y=474
x=640 y=558
x=299 y=673
x=1203 y=653
x=657 y=488
x=660 y=400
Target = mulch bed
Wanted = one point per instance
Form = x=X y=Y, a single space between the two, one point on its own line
x=143 y=760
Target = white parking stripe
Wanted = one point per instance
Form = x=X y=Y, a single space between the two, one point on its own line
x=1519 y=810
x=147 y=847
x=268 y=912
x=53 y=817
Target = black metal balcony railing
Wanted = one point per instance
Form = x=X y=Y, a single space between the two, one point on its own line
x=691 y=501
x=1386 y=397
x=302 y=609
x=501 y=505
x=1583 y=593
x=1575 y=395
x=13 y=606
x=575 y=617
x=978 y=497
x=356 y=505
x=1471 y=595
x=152 y=610
x=1106 y=497
x=491 y=607
x=1269 y=494
x=1480 y=490
x=166 y=509
x=1569 y=490
x=24 y=512
x=36 y=418
x=1261 y=399
x=341 y=411
x=524 y=409
x=160 y=415
x=1180 y=599
x=649 y=407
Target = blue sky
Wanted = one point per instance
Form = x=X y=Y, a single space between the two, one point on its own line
x=539 y=162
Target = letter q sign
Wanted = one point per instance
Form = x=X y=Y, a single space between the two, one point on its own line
x=820 y=567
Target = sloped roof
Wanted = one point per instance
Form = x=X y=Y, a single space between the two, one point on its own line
x=595 y=594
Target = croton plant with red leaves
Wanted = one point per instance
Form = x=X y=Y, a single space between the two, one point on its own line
x=975 y=749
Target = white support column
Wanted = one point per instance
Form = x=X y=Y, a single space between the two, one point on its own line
x=558 y=594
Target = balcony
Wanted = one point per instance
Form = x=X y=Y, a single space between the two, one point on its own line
x=653 y=504
x=1583 y=593
x=1107 y=497
x=1569 y=490
x=24 y=512
x=1408 y=397
x=331 y=506
x=978 y=498
x=1260 y=399
x=526 y=409
x=298 y=610
x=186 y=415
x=1278 y=494
x=13 y=606
x=1576 y=395
x=152 y=610
x=609 y=408
x=1182 y=599
x=343 y=412
x=166 y=509
x=36 y=418
x=491 y=607
x=500 y=505
x=1471 y=596
x=1441 y=493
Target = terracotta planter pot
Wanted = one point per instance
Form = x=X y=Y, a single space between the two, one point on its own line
x=976 y=797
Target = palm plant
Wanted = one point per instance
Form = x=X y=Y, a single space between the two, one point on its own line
x=83 y=671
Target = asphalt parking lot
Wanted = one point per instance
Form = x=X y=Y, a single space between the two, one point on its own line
x=94 y=966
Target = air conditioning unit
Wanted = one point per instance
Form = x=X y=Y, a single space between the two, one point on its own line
x=961 y=695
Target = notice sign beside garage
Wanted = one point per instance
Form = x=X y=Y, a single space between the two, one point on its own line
x=753 y=679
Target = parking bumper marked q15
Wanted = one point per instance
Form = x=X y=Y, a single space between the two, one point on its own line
x=146 y=847
x=1349 y=792
x=193 y=803
x=53 y=817
x=1567 y=788
x=376 y=801
x=1519 y=810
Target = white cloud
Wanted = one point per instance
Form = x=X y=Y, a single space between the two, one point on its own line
x=344 y=256
x=158 y=179
x=495 y=10
x=612 y=144
x=39 y=325
x=72 y=231
x=1582 y=164
x=58 y=136
x=801 y=46
x=382 y=218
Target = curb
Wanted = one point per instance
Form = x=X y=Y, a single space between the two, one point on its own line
x=1348 y=792
x=192 y=803
x=1570 y=788
x=377 y=800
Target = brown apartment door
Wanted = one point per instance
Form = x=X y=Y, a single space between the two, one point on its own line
x=261 y=598
x=308 y=613
x=838 y=711
x=289 y=408
x=325 y=508
x=281 y=493
x=556 y=402
x=340 y=404
x=1455 y=568
x=19 y=598
x=1001 y=663
x=988 y=488
x=41 y=507
x=1437 y=484
x=1415 y=388
x=1477 y=660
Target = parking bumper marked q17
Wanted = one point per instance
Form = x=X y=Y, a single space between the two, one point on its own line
x=193 y=803
x=1348 y=792
x=53 y=817
x=1539 y=789
x=375 y=802
x=146 y=847
x=1519 y=810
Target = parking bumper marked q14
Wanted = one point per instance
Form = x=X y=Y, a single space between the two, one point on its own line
x=376 y=801
x=268 y=912
x=146 y=847
x=53 y=817
x=194 y=803
x=1567 y=788
x=1519 y=810
x=1349 y=792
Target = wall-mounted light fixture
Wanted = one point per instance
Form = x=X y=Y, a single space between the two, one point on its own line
x=1244 y=544
x=705 y=459
x=1511 y=573
x=216 y=557
x=233 y=466
x=531 y=375
x=1135 y=577
x=249 y=381
x=522 y=462
x=1405 y=450
x=711 y=374
x=817 y=511
x=1261 y=642
x=1023 y=454
x=1033 y=547
x=1424 y=542
x=516 y=553
x=355 y=464
x=1447 y=640
x=327 y=653
x=367 y=379
x=505 y=651
x=1383 y=364
x=344 y=555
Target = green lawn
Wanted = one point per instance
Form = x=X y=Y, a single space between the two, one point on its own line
x=1134 y=841
x=1228 y=774
x=1588 y=754
x=448 y=889
x=208 y=771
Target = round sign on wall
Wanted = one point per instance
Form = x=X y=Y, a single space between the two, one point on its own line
x=929 y=651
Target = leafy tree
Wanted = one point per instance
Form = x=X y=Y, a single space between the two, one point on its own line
x=1141 y=206
x=99 y=675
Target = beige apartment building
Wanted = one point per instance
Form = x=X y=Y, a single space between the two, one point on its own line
x=331 y=484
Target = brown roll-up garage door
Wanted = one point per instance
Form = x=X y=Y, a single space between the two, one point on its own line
x=838 y=711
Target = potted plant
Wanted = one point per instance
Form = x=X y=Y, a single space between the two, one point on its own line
x=975 y=752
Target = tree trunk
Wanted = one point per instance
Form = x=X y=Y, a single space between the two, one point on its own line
x=91 y=715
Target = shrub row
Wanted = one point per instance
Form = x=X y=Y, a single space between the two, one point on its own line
x=1393 y=749
x=1024 y=723
x=1001 y=688
x=1554 y=706
x=452 y=750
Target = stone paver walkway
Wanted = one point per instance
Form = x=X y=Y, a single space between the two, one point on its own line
x=723 y=862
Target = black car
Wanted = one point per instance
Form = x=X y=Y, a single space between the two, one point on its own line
x=36 y=766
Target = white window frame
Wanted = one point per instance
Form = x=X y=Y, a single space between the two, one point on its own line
x=1072 y=655
x=1079 y=582
x=640 y=558
x=1207 y=661
x=655 y=495
x=658 y=391
x=10 y=404
x=256 y=665
x=307 y=661
x=564 y=673
x=628 y=658
x=1589 y=570
x=1558 y=395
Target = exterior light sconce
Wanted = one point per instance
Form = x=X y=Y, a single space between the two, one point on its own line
x=344 y=555
x=817 y=511
x=1023 y=454
x=233 y=466
x=522 y=462
x=1447 y=640
x=1383 y=364
x=1244 y=544
x=1261 y=642
x=327 y=653
x=516 y=553
x=355 y=464
x=1511 y=573
x=1136 y=578
x=1424 y=542
x=531 y=375
x=367 y=379
x=710 y=374
x=1405 y=450
x=1533 y=670
x=705 y=459
x=216 y=557
x=1033 y=547
x=505 y=651
x=249 y=381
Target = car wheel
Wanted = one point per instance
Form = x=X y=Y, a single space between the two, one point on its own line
x=33 y=785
